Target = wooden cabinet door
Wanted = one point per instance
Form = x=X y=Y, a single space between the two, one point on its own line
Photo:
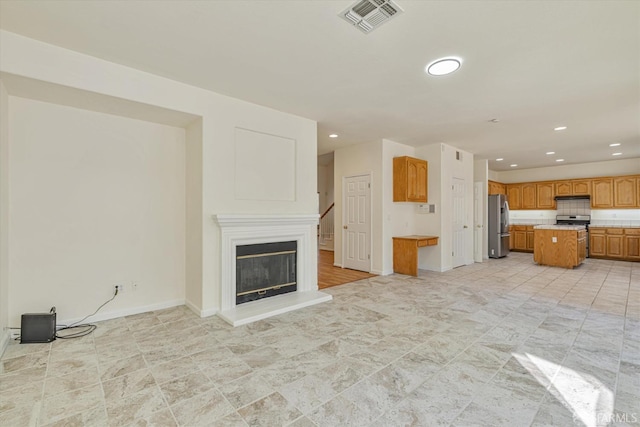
x=624 y=192
x=520 y=240
x=638 y=192
x=564 y=188
x=602 y=193
x=496 y=188
x=597 y=242
x=514 y=196
x=409 y=179
x=421 y=180
x=511 y=238
x=545 y=196
x=581 y=187
x=632 y=247
x=530 y=240
x=615 y=245
x=529 y=196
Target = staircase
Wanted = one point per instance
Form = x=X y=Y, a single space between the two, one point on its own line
x=325 y=229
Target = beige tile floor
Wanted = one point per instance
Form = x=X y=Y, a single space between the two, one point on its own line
x=505 y=342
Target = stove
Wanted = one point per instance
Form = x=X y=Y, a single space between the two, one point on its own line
x=575 y=220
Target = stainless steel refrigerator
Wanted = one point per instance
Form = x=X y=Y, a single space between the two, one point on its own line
x=498 y=226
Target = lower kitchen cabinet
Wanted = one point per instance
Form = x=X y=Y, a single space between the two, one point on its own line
x=521 y=239
x=614 y=243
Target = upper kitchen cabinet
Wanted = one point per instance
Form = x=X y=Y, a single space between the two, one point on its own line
x=545 y=195
x=581 y=187
x=578 y=187
x=409 y=179
x=514 y=196
x=602 y=193
x=529 y=198
x=496 y=188
x=625 y=192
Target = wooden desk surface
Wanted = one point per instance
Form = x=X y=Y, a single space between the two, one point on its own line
x=418 y=237
x=405 y=252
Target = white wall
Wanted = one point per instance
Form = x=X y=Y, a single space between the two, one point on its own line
x=221 y=117
x=583 y=170
x=194 y=216
x=362 y=159
x=442 y=158
x=4 y=217
x=430 y=258
x=96 y=200
x=481 y=174
x=399 y=218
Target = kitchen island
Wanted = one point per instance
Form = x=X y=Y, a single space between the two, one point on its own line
x=560 y=245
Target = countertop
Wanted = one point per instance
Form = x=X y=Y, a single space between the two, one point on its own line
x=560 y=227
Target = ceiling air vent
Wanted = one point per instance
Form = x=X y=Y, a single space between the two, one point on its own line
x=368 y=15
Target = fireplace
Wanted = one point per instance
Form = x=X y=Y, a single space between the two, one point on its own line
x=265 y=270
x=240 y=230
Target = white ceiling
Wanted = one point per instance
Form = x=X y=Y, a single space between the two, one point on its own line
x=533 y=65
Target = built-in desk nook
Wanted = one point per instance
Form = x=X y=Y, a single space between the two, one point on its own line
x=405 y=252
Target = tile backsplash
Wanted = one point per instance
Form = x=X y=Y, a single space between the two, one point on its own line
x=573 y=207
x=616 y=217
x=599 y=217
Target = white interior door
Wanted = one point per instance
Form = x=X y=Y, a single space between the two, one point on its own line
x=459 y=227
x=357 y=223
x=478 y=221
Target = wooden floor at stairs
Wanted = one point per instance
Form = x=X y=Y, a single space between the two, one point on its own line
x=330 y=275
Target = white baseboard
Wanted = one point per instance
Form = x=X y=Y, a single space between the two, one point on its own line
x=202 y=313
x=5 y=339
x=125 y=312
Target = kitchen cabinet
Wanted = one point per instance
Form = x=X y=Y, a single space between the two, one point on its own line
x=619 y=192
x=545 y=193
x=530 y=238
x=519 y=234
x=614 y=243
x=578 y=187
x=514 y=196
x=559 y=247
x=529 y=199
x=496 y=188
x=409 y=179
x=632 y=244
x=597 y=242
x=564 y=188
x=625 y=192
x=581 y=187
x=602 y=193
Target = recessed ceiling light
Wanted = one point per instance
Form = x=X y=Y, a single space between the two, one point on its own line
x=550 y=152
x=443 y=66
x=499 y=160
x=333 y=135
x=494 y=120
x=617 y=154
x=560 y=128
x=514 y=165
x=559 y=160
x=616 y=144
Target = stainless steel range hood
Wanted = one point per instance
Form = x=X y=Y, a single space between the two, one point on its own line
x=585 y=197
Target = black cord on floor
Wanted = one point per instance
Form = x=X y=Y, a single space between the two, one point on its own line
x=88 y=328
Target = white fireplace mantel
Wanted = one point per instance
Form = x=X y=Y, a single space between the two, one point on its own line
x=243 y=229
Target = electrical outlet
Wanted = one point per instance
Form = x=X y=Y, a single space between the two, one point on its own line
x=120 y=288
x=133 y=286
